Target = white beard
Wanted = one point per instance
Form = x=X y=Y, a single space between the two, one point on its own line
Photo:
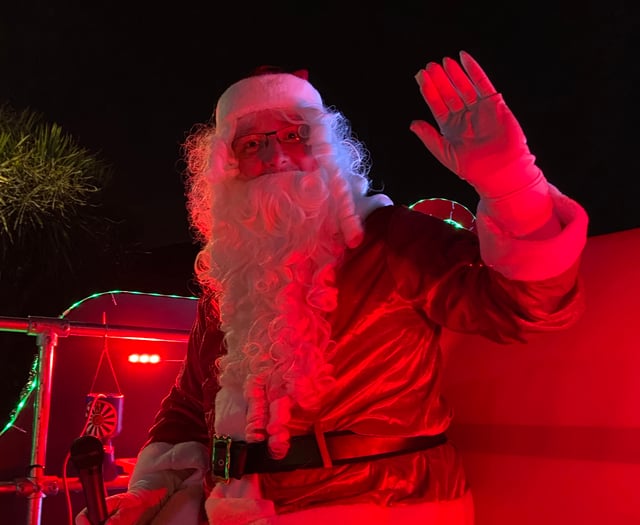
x=277 y=240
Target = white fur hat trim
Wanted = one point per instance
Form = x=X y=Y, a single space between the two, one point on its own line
x=260 y=92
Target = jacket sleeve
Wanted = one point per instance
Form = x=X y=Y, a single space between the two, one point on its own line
x=489 y=284
x=187 y=409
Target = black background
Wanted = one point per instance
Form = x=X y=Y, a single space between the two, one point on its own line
x=130 y=80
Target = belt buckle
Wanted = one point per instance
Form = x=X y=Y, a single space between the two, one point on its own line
x=221 y=458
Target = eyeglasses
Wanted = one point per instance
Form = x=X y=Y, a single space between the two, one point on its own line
x=250 y=145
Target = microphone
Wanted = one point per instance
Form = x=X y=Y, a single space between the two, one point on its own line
x=87 y=455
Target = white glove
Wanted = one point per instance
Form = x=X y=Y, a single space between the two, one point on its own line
x=161 y=470
x=140 y=503
x=482 y=142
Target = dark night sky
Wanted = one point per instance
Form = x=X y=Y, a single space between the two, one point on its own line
x=129 y=82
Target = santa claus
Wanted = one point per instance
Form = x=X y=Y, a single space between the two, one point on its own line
x=310 y=389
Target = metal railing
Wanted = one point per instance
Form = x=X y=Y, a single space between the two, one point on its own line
x=47 y=331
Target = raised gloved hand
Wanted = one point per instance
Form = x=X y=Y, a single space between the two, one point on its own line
x=140 y=503
x=480 y=140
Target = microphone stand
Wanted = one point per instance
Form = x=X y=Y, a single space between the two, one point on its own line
x=47 y=331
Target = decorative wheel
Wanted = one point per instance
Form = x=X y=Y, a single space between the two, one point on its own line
x=103 y=420
x=449 y=211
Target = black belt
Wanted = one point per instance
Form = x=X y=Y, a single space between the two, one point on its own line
x=233 y=459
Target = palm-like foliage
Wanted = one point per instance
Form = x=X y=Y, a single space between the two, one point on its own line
x=49 y=185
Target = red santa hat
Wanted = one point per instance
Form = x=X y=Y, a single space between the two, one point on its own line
x=263 y=91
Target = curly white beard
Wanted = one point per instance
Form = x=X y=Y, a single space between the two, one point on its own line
x=277 y=240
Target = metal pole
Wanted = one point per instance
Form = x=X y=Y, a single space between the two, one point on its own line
x=41 y=410
x=48 y=330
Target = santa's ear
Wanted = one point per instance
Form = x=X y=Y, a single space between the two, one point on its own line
x=301 y=73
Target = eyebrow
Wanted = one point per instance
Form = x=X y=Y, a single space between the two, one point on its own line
x=240 y=132
x=285 y=117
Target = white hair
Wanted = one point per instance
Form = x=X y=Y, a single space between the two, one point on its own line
x=269 y=250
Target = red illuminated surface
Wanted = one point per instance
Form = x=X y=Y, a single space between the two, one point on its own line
x=550 y=431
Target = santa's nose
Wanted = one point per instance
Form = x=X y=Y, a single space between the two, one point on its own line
x=273 y=153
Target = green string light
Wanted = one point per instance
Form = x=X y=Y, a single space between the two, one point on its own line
x=27 y=389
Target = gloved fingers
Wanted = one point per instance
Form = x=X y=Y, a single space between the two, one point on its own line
x=82 y=518
x=461 y=81
x=445 y=87
x=432 y=97
x=123 y=509
x=434 y=142
x=477 y=75
x=131 y=515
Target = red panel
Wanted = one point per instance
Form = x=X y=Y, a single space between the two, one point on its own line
x=550 y=430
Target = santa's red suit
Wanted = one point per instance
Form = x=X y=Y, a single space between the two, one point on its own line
x=395 y=291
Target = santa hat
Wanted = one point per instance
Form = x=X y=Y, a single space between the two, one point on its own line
x=264 y=91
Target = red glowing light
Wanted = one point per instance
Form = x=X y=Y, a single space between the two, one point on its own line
x=144 y=358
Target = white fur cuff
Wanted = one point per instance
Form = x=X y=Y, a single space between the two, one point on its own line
x=535 y=260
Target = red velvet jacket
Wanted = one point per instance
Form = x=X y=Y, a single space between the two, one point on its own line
x=412 y=275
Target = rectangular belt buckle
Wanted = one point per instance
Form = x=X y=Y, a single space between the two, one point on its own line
x=221 y=458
